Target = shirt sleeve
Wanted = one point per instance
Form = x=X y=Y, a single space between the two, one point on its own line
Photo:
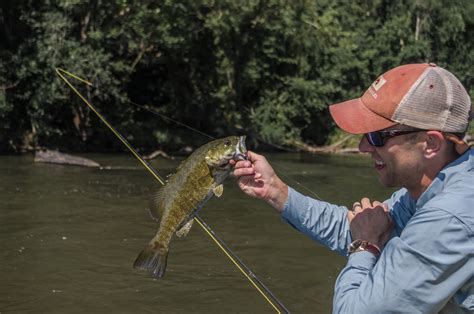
x=323 y=222
x=419 y=266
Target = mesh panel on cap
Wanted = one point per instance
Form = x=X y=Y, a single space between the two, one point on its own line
x=436 y=101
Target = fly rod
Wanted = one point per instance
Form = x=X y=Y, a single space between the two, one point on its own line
x=244 y=269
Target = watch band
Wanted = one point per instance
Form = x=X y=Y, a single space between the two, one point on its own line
x=361 y=245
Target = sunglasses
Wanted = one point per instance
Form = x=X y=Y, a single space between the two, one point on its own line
x=379 y=138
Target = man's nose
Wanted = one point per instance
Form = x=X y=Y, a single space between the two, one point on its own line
x=364 y=146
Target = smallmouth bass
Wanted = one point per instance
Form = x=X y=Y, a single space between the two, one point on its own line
x=197 y=179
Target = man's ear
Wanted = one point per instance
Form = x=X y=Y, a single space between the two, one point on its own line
x=434 y=143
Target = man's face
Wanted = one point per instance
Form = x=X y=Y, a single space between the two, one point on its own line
x=399 y=163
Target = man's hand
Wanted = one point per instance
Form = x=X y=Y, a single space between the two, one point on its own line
x=258 y=179
x=370 y=221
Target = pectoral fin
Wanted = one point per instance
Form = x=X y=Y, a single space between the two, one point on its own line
x=185 y=229
x=218 y=190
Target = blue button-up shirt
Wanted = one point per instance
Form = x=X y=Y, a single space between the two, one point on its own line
x=428 y=264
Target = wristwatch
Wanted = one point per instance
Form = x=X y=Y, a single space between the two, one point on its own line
x=361 y=245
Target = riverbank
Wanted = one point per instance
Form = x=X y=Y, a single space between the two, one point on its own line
x=338 y=143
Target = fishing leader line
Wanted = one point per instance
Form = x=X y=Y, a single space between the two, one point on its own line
x=286 y=177
x=227 y=251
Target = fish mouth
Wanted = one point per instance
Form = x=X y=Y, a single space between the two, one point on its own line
x=240 y=157
x=240 y=150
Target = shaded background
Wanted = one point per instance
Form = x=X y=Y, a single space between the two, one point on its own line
x=265 y=68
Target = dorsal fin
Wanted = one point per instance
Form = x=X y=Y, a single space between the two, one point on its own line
x=157 y=204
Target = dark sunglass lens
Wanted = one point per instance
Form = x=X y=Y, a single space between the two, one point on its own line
x=375 y=139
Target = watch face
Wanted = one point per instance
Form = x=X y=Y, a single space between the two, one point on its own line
x=360 y=245
x=355 y=245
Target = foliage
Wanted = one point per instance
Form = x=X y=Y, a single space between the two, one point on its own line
x=266 y=68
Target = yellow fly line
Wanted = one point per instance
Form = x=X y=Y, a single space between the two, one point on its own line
x=237 y=262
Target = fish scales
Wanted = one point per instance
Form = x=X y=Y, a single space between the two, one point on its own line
x=197 y=179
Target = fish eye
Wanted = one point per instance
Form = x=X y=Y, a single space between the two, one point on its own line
x=227 y=143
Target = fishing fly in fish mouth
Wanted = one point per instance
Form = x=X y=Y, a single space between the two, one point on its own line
x=197 y=179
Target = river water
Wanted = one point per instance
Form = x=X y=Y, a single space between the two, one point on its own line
x=69 y=236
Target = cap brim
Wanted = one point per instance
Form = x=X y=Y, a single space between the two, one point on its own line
x=354 y=117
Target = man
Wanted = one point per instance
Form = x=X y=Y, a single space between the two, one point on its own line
x=413 y=253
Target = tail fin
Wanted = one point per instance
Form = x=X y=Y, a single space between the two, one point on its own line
x=153 y=260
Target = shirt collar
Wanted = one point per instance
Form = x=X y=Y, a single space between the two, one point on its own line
x=462 y=164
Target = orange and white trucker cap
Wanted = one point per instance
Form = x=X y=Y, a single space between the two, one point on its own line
x=422 y=96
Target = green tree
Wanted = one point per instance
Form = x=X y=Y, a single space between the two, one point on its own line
x=266 y=68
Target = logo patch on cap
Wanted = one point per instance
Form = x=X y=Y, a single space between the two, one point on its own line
x=376 y=85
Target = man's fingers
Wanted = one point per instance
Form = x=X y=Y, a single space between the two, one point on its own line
x=251 y=156
x=356 y=207
x=365 y=202
x=376 y=203
x=383 y=205
x=242 y=164
x=247 y=171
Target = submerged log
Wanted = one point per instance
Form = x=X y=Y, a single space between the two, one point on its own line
x=56 y=157
x=336 y=148
x=157 y=153
x=332 y=149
